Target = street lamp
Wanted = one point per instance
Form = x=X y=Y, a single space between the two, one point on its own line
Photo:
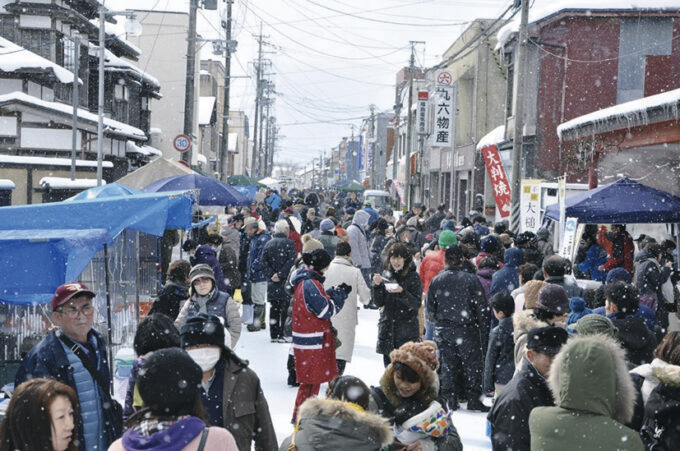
x=134 y=28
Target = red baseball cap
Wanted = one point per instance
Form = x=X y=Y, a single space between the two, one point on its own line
x=66 y=291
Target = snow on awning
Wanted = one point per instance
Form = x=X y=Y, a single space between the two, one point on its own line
x=206 y=108
x=66 y=183
x=492 y=138
x=14 y=101
x=14 y=58
x=547 y=8
x=152 y=151
x=645 y=111
x=131 y=147
x=7 y=184
x=48 y=161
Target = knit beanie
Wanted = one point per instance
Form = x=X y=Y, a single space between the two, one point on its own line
x=578 y=308
x=448 y=224
x=326 y=225
x=309 y=244
x=594 y=324
x=420 y=357
x=202 y=329
x=201 y=270
x=554 y=299
x=168 y=382
x=490 y=244
x=531 y=289
x=618 y=275
x=447 y=238
x=318 y=259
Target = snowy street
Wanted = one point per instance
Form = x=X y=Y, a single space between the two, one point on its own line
x=269 y=361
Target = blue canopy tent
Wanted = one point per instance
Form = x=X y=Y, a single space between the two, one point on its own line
x=43 y=246
x=212 y=191
x=108 y=190
x=622 y=202
x=248 y=191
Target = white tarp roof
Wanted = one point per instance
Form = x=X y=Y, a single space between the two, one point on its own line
x=15 y=58
x=49 y=161
x=545 y=8
x=624 y=115
x=115 y=126
x=66 y=183
x=206 y=106
x=492 y=138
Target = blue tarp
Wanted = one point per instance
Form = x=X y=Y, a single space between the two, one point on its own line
x=247 y=190
x=43 y=246
x=212 y=191
x=622 y=202
x=108 y=190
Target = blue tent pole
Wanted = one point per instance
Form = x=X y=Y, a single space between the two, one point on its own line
x=108 y=316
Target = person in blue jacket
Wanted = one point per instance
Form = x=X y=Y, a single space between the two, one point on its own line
x=256 y=273
x=99 y=422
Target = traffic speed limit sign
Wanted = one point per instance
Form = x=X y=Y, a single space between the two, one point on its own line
x=182 y=143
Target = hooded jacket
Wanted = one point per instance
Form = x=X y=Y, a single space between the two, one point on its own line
x=661 y=424
x=635 y=337
x=507 y=278
x=358 y=240
x=326 y=424
x=522 y=322
x=594 y=397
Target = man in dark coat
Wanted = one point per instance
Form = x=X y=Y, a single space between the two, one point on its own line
x=278 y=257
x=457 y=306
x=433 y=223
x=553 y=272
x=255 y=273
x=174 y=291
x=509 y=416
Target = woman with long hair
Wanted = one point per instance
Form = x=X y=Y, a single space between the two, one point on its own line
x=398 y=292
x=40 y=417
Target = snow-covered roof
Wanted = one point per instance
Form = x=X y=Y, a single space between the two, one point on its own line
x=131 y=147
x=112 y=62
x=155 y=131
x=492 y=138
x=542 y=9
x=15 y=58
x=206 y=106
x=656 y=108
x=49 y=161
x=7 y=184
x=66 y=183
x=152 y=151
x=113 y=126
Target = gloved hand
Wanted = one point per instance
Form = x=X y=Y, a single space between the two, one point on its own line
x=346 y=288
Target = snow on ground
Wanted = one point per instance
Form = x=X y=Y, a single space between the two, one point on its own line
x=269 y=362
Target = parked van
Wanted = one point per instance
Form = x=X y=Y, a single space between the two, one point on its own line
x=378 y=198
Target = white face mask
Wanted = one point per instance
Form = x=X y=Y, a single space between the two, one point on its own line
x=206 y=358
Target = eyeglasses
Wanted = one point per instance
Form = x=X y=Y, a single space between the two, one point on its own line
x=73 y=312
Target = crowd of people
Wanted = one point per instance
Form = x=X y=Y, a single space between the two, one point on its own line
x=470 y=315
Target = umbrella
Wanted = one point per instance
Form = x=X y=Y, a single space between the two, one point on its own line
x=352 y=187
x=212 y=191
x=243 y=180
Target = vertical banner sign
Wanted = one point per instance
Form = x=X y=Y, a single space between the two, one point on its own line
x=562 y=198
x=530 y=208
x=422 y=112
x=499 y=180
x=567 y=247
x=444 y=111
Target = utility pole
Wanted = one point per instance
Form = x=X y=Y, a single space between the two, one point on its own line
x=224 y=153
x=189 y=88
x=372 y=143
x=351 y=156
x=258 y=71
x=260 y=153
x=76 y=89
x=409 y=126
x=518 y=136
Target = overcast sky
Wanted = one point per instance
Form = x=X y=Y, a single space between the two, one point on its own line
x=330 y=60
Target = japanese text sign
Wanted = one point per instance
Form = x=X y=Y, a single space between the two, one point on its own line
x=499 y=180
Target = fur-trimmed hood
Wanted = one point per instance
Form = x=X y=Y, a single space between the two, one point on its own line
x=426 y=394
x=334 y=424
x=668 y=374
x=524 y=321
x=590 y=374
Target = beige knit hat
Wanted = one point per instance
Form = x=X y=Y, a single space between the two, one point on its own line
x=531 y=289
x=309 y=244
x=420 y=357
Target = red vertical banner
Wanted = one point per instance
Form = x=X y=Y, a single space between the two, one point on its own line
x=499 y=180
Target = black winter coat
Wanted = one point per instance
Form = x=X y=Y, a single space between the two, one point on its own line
x=499 y=366
x=398 y=321
x=635 y=338
x=278 y=257
x=509 y=416
x=378 y=242
x=661 y=424
x=170 y=298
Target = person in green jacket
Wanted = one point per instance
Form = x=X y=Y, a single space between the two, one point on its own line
x=594 y=397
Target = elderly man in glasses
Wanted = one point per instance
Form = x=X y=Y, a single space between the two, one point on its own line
x=75 y=354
